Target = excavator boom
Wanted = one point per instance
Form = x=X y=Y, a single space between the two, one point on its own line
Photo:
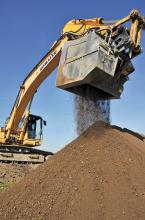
x=27 y=90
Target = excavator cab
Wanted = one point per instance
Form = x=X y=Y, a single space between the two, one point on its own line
x=34 y=131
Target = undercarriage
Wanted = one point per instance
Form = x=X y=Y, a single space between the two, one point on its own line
x=23 y=154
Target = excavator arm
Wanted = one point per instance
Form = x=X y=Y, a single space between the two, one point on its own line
x=81 y=26
x=74 y=31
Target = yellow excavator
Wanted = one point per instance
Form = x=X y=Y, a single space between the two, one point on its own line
x=90 y=53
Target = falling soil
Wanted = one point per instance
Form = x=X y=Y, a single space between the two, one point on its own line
x=88 y=109
x=99 y=176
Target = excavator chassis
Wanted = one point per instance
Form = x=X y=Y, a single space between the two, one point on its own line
x=23 y=154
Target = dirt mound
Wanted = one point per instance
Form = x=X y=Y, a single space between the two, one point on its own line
x=100 y=175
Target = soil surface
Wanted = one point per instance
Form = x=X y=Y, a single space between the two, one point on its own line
x=99 y=176
x=13 y=172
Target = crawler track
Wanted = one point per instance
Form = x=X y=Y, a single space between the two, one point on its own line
x=22 y=154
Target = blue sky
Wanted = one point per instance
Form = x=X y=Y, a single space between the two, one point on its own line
x=28 y=29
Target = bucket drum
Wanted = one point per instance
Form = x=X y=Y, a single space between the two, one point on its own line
x=87 y=64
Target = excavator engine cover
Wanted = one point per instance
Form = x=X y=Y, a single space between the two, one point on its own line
x=86 y=64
